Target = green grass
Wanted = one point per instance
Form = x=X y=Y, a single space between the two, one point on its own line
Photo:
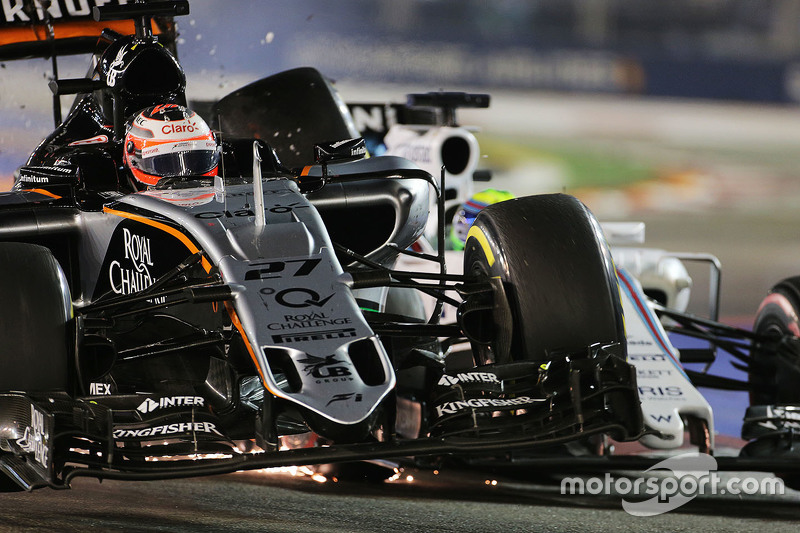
x=582 y=165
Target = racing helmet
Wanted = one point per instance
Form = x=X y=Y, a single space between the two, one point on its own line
x=466 y=214
x=169 y=140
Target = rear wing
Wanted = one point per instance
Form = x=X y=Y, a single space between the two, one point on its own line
x=51 y=28
x=428 y=110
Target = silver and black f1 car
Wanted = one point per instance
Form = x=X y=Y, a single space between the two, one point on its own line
x=188 y=328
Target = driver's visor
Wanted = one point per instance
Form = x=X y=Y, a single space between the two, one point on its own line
x=184 y=158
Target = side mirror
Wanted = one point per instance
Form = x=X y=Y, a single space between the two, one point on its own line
x=332 y=152
x=340 y=151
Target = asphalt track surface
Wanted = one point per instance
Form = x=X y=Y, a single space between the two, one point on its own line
x=449 y=502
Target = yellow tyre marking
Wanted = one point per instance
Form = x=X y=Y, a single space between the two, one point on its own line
x=478 y=234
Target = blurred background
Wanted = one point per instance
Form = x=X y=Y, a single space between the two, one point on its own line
x=689 y=75
x=641 y=108
x=586 y=93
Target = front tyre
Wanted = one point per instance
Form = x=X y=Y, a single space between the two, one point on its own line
x=34 y=353
x=557 y=276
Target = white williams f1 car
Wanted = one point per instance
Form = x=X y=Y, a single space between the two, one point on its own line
x=655 y=290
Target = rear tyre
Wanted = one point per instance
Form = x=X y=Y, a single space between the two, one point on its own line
x=774 y=380
x=34 y=353
x=557 y=274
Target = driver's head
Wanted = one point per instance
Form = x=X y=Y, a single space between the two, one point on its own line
x=466 y=214
x=169 y=140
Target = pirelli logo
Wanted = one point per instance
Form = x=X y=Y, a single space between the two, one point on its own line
x=305 y=336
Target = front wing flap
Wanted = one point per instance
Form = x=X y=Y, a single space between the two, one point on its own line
x=51 y=440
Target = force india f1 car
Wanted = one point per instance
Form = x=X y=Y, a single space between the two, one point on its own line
x=189 y=328
x=193 y=327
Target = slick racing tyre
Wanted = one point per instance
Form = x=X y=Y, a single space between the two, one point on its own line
x=36 y=311
x=774 y=378
x=559 y=282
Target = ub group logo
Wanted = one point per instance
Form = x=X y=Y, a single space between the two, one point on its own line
x=672 y=483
